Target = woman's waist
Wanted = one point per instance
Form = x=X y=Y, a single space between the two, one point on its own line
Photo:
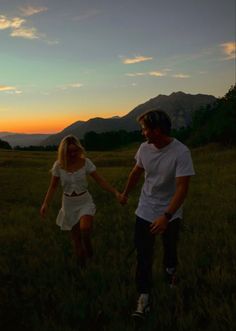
x=75 y=193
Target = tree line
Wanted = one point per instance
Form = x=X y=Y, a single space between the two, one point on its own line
x=211 y=123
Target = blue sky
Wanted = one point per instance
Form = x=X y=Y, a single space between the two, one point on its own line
x=63 y=61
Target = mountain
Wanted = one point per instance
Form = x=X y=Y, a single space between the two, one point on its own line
x=178 y=105
x=23 y=139
x=5 y=133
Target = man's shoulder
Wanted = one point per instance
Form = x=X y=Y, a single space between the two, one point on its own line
x=144 y=147
x=179 y=146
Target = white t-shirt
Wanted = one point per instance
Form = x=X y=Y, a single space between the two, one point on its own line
x=74 y=181
x=161 y=167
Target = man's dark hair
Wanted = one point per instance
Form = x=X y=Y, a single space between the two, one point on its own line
x=156 y=119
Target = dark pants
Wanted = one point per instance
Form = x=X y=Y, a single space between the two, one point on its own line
x=144 y=243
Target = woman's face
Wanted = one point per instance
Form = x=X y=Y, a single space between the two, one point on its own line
x=72 y=151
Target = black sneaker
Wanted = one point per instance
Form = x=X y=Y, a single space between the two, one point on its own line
x=143 y=307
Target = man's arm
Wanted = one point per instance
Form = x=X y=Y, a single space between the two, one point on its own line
x=182 y=185
x=132 y=181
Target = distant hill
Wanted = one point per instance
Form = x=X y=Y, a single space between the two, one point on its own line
x=178 y=105
x=5 y=133
x=23 y=139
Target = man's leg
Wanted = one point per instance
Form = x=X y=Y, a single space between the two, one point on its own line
x=144 y=243
x=170 y=242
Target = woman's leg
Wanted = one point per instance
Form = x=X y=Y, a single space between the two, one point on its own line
x=79 y=249
x=86 y=225
x=81 y=236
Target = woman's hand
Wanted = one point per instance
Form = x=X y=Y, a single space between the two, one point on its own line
x=43 y=210
x=123 y=199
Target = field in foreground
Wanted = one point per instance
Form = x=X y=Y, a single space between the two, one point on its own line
x=41 y=288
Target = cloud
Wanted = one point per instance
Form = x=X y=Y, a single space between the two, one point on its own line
x=14 y=23
x=19 y=29
x=229 y=50
x=136 y=59
x=14 y=92
x=72 y=85
x=9 y=89
x=5 y=88
x=88 y=14
x=182 y=76
x=157 y=73
x=151 y=73
x=27 y=33
x=75 y=85
x=30 y=10
x=136 y=74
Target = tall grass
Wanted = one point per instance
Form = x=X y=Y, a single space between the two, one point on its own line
x=41 y=287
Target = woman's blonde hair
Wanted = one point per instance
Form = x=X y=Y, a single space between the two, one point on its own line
x=62 y=149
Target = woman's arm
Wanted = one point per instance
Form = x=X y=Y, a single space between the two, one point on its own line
x=104 y=184
x=49 y=195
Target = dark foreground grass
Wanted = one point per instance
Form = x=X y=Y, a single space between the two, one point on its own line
x=41 y=288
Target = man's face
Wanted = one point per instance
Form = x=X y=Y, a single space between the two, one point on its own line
x=150 y=134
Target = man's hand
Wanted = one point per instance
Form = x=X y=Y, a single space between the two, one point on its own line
x=123 y=199
x=159 y=225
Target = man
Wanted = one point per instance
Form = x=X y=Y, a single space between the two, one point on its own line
x=167 y=167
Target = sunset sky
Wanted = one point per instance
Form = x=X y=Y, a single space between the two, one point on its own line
x=67 y=60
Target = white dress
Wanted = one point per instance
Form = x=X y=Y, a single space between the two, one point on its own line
x=74 y=207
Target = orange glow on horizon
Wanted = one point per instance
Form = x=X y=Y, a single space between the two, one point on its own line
x=46 y=125
x=36 y=126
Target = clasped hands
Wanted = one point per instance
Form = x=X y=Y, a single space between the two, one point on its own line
x=122 y=198
x=157 y=227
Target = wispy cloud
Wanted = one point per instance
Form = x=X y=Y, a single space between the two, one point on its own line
x=9 y=89
x=229 y=50
x=87 y=14
x=5 y=88
x=7 y=23
x=157 y=73
x=181 y=76
x=151 y=73
x=135 y=74
x=18 y=28
x=75 y=85
x=71 y=86
x=136 y=59
x=30 y=10
x=27 y=33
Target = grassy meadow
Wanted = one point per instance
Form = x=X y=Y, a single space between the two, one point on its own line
x=41 y=288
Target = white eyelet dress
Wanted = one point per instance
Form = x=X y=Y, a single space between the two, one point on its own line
x=74 y=207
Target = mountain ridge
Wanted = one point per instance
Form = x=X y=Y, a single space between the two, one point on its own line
x=179 y=106
x=23 y=139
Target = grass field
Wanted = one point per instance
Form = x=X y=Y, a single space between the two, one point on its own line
x=41 y=288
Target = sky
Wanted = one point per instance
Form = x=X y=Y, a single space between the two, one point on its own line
x=62 y=61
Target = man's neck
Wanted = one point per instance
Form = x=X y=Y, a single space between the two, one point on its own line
x=163 y=142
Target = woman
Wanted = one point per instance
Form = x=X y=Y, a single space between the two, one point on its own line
x=78 y=208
